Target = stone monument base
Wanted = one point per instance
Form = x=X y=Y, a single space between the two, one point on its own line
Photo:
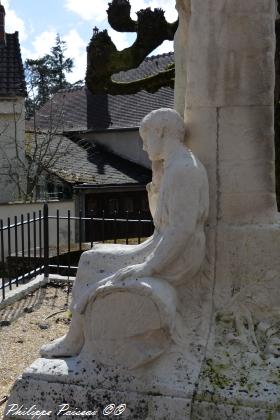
x=64 y=385
x=233 y=372
x=62 y=388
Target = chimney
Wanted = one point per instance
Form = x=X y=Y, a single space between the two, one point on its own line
x=2 y=24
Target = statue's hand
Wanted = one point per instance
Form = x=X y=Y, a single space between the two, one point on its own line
x=134 y=271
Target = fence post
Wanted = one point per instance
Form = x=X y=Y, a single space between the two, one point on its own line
x=46 y=239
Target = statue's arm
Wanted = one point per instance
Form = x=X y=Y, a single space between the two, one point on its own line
x=183 y=207
x=183 y=201
x=154 y=186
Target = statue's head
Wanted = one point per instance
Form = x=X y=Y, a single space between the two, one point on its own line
x=159 y=127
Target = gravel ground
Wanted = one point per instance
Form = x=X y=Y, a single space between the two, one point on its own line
x=24 y=328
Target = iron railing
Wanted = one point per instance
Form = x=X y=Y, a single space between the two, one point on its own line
x=44 y=243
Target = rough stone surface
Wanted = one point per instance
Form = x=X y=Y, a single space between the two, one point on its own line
x=215 y=411
x=225 y=90
x=50 y=396
x=225 y=51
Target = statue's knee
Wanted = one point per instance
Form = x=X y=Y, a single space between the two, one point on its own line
x=84 y=257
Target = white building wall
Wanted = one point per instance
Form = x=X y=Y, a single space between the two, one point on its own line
x=12 y=131
x=126 y=144
x=17 y=209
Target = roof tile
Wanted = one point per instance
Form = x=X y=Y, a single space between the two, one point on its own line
x=84 y=163
x=78 y=109
x=12 y=81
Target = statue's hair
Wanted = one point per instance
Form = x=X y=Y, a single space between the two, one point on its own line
x=167 y=120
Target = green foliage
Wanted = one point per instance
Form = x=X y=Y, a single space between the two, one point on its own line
x=38 y=82
x=104 y=59
x=119 y=16
x=59 y=66
x=46 y=75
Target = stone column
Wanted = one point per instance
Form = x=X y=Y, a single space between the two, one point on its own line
x=229 y=84
x=226 y=48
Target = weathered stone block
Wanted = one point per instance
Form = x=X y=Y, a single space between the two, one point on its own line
x=203 y=126
x=247 y=176
x=59 y=398
x=237 y=6
x=223 y=61
x=246 y=133
x=242 y=208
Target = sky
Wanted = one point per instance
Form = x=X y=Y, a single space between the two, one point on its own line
x=38 y=22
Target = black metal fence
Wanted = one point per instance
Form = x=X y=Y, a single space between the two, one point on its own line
x=42 y=243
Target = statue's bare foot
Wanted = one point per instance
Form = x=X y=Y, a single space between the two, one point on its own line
x=63 y=347
x=70 y=344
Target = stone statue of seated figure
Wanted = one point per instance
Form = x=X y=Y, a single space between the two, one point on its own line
x=124 y=297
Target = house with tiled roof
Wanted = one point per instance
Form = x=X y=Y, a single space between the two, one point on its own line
x=109 y=120
x=95 y=154
x=83 y=111
x=12 y=111
x=100 y=154
x=107 y=183
x=112 y=170
x=100 y=151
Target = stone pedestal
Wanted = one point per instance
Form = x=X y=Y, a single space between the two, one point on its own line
x=49 y=384
x=160 y=389
x=225 y=52
x=240 y=386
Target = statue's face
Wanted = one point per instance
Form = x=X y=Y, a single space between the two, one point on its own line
x=153 y=144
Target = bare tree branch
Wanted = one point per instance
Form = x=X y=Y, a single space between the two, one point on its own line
x=27 y=159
